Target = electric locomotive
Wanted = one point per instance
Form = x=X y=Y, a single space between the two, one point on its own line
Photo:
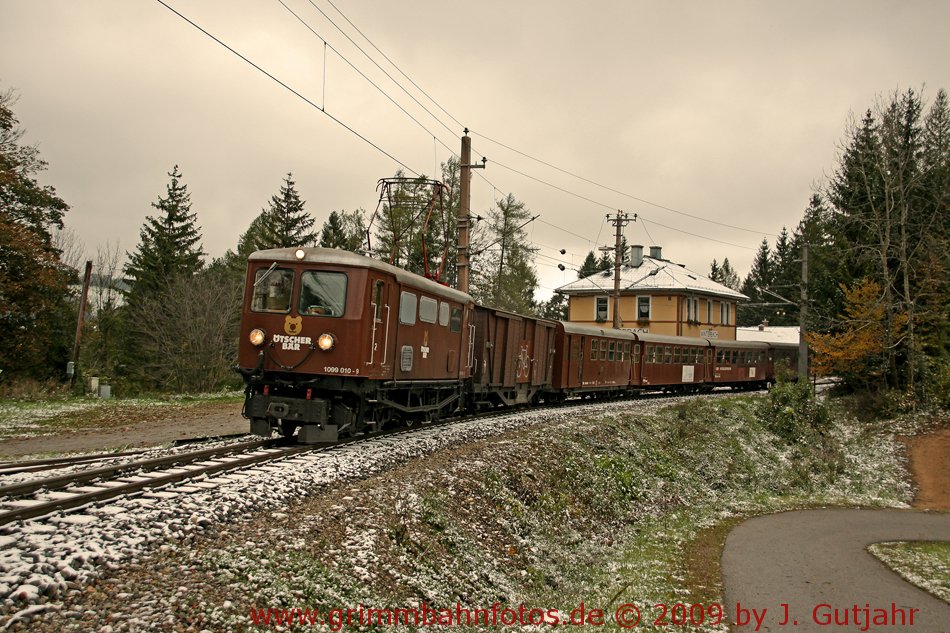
x=336 y=343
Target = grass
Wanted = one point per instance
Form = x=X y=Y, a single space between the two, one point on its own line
x=925 y=564
x=36 y=417
x=623 y=508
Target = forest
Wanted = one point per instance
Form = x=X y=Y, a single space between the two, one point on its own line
x=164 y=316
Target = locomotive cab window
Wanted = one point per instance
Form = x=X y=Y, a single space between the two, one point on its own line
x=407 y=308
x=272 y=290
x=428 y=310
x=455 y=323
x=322 y=293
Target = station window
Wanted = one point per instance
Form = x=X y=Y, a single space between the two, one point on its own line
x=601 y=313
x=724 y=312
x=428 y=310
x=709 y=310
x=643 y=308
x=407 y=308
x=322 y=293
x=272 y=290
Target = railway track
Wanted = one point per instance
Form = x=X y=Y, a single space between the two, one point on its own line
x=41 y=497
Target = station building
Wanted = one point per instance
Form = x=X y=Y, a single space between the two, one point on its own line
x=657 y=296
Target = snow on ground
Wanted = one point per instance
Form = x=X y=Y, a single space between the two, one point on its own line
x=43 y=559
x=152 y=453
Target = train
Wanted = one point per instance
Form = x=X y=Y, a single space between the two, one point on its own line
x=334 y=343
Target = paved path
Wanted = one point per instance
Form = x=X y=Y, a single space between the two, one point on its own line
x=809 y=558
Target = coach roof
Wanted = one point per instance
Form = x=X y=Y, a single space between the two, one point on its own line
x=337 y=257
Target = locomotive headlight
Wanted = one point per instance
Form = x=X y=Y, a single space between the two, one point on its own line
x=326 y=342
x=299 y=253
x=256 y=337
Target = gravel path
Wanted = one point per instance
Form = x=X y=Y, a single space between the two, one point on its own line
x=816 y=563
x=209 y=420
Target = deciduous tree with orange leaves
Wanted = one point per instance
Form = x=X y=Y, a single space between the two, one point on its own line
x=857 y=351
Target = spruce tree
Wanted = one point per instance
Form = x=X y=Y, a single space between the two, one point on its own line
x=730 y=278
x=285 y=223
x=345 y=231
x=169 y=245
x=589 y=267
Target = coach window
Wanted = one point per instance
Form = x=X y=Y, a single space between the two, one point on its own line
x=719 y=356
x=443 y=314
x=611 y=351
x=603 y=350
x=322 y=293
x=676 y=355
x=407 y=308
x=272 y=290
x=636 y=353
x=669 y=355
x=428 y=310
x=593 y=349
x=626 y=352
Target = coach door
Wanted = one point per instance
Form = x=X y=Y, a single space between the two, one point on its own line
x=380 y=311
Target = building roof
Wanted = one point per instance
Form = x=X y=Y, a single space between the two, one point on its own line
x=768 y=333
x=651 y=274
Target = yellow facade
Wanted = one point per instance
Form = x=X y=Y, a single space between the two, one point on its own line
x=668 y=314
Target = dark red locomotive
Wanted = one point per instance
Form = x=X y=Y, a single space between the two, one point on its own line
x=337 y=343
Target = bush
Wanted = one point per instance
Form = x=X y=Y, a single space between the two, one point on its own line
x=792 y=412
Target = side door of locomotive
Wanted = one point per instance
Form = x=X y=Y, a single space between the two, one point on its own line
x=380 y=324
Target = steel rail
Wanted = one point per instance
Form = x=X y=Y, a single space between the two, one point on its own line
x=63 y=481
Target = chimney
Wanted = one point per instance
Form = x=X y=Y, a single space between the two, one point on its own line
x=764 y=324
x=636 y=255
x=656 y=252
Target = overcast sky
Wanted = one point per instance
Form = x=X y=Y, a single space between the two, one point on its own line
x=730 y=111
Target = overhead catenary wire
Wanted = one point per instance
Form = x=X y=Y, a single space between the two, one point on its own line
x=617 y=191
x=373 y=144
x=288 y=88
x=326 y=44
x=487 y=138
x=508 y=147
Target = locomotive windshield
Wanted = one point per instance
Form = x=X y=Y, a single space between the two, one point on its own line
x=322 y=293
x=272 y=290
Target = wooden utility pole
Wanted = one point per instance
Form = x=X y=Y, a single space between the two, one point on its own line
x=465 y=208
x=82 y=317
x=620 y=221
x=802 y=318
